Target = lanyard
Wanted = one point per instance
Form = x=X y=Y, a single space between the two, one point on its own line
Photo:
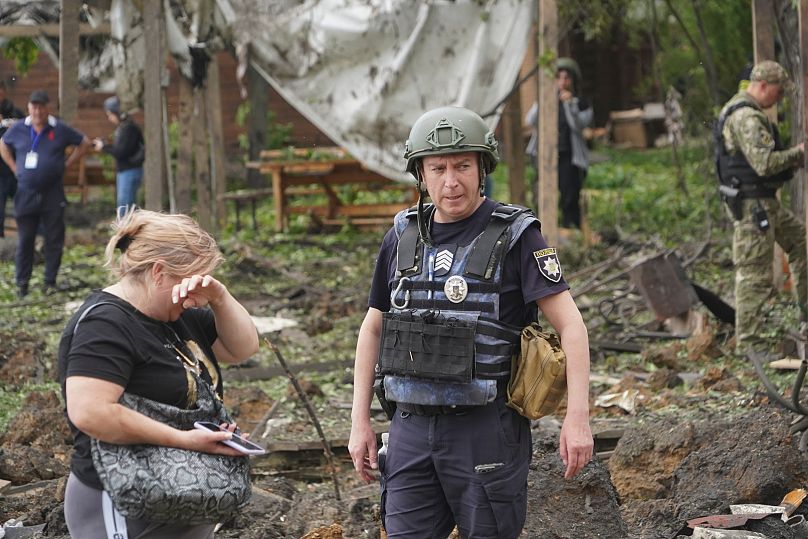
x=35 y=137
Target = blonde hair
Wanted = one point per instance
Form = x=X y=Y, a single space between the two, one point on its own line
x=141 y=238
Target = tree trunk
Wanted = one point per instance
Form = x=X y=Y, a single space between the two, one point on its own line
x=788 y=30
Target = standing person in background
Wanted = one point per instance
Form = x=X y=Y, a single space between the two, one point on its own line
x=457 y=454
x=752 y=165
x=574 y=114
x=8 y=183
x=34 y=150
x=128 y=150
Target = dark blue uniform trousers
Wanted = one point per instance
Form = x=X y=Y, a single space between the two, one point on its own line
x=50 y=214
x=468 y=469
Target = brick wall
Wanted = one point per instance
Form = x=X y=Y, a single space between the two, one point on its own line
x=92 y=121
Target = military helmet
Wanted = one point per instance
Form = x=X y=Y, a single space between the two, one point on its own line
x=448 y=130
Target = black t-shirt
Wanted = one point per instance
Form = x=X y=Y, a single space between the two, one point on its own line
x=119 y=344
x=522 y=281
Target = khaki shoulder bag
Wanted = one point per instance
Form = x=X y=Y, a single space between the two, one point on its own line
x=538 y=374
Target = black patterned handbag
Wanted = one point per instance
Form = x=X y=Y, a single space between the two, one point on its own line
x=169 y=485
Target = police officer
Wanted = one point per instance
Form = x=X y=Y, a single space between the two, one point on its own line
x=454 y=283
x=34 y=149
x=752 y=166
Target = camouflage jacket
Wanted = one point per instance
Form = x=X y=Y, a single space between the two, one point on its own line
x=749 y=131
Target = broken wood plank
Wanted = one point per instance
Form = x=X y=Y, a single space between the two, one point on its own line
x=787 y=364
x=616 y=346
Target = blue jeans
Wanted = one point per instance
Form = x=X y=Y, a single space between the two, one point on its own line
x=127 y=183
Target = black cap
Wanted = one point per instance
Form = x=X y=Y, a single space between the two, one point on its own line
x=39 y=96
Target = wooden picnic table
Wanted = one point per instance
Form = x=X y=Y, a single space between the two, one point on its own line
x=294 y=176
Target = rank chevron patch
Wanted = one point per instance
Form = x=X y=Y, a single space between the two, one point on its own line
x=443 y=261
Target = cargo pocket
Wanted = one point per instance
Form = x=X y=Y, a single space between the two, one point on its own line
x=506 y=490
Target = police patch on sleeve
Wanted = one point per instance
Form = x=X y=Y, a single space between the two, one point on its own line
x=548 y=264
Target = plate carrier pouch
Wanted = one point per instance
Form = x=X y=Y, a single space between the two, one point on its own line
x=539 y=379
x=436 y=352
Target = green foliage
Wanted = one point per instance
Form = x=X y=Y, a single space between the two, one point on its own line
x=681 y=57
x=635 y=193
x=277 y=135
x=24 y=52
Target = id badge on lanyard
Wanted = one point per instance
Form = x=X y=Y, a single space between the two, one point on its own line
x=32 y=157
x=31 y=160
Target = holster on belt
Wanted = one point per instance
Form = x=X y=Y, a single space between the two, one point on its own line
x=733 y=199
x=389 y=407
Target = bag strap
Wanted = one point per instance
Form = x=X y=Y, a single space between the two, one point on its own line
x=200 y=382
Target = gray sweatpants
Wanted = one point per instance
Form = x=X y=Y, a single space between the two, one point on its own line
x=85 y=516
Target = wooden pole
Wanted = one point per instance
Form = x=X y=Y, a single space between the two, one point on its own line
x=256 y=123
x=69 y=59
x=803 y=33
x=53 y=30
x=202 y=160
x=153 y=106
x=217 y=177
x=185 y=149
x=514 y=149
x=547 y=165
x=763 y=23
x=763 y=40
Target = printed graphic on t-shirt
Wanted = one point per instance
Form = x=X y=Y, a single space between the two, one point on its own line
x=548 y=263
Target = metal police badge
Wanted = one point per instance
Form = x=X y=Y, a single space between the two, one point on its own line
x=456 y=288
x=548 y=264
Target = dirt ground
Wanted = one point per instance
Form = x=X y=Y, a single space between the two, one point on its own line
x=660 y=474
x=667 y=452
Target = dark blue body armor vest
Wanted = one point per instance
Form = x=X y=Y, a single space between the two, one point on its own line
x=454 y=286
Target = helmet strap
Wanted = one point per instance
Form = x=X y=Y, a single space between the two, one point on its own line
x=481 y=167
x=423 y=222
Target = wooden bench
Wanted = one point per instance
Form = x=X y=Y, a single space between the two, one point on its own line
x=87 y=172
x=329 y=169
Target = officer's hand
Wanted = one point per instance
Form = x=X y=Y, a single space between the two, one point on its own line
x=801 y=146
x=564 y=95
x=362 y=447
x=575 y=444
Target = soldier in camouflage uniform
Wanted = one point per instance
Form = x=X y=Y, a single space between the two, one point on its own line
x=754 y=164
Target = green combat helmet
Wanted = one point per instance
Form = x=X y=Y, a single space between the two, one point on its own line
x=448 y=130
x=568 y=64
x=443 y=131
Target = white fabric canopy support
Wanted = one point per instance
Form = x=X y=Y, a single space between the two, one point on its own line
x=363 y=71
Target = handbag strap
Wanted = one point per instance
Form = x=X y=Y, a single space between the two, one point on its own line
x=200 y=382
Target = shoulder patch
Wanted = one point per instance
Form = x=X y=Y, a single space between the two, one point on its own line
x=549 y=266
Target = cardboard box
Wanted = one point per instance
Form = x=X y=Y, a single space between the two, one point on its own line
x=628 y=128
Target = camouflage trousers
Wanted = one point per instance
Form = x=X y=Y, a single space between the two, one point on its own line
x=752 y=254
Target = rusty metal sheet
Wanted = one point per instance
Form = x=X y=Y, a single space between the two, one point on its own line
x=725 y=521
x=663 y=283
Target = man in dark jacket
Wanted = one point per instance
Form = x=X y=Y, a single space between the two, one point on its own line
x=8 y=183
x=128 y=150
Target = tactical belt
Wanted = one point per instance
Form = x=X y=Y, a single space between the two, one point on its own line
x=426 y=410
x=752 y=191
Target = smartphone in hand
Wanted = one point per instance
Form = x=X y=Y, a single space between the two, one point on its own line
x=236 y=442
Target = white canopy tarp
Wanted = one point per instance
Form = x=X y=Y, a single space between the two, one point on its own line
x=363 y=71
